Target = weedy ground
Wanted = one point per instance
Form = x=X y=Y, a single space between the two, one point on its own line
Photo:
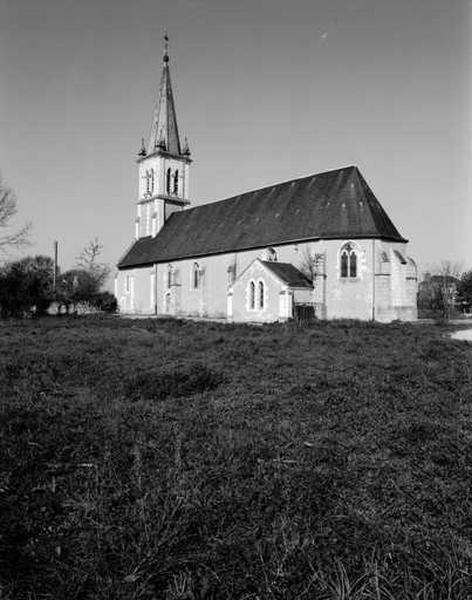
x=155 y=459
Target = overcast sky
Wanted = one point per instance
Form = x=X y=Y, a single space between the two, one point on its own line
x=265 y=90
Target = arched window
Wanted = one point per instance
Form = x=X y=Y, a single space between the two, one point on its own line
x=252 y=295
x=195 y=276
x=168 y=180
x=261 y=294
x=353 y=265
x=176 y=182
x=348 y=260
x=344 y=264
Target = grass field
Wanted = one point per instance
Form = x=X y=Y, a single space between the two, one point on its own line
x=155 y=459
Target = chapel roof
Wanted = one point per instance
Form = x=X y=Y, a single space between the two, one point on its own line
x=335 y=204
x=288 y=274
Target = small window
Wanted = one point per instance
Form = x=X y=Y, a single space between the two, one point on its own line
x=169 y=276
x=168 y=180
x=252 y=295
x=261 y=294
x=348 y=262
x=128 y=284
x=176 y=182
x=195 y=276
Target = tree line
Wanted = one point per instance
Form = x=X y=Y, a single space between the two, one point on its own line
x=30 y=286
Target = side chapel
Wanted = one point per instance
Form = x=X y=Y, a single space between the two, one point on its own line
x=322 y=241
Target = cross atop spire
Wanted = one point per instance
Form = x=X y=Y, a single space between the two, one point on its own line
x=166 y=47
x=164 y=131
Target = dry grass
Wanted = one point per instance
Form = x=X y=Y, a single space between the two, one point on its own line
x=163 y=459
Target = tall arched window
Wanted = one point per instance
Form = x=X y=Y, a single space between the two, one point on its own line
x=348 y=260
x=344 y=264
x=252 y=295
x=261 y=294
x=168 y=180
x=353 y=265
x=176 y=182
x=195 y=276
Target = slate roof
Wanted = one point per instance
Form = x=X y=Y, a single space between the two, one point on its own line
x=288 y=274
x=331 y=205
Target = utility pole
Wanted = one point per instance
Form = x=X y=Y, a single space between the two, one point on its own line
x=54 y=280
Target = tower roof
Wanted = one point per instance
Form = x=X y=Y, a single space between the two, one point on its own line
x=332 y=205
x=164 y=131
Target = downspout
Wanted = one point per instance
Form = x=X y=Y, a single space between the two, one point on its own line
x=373 y=280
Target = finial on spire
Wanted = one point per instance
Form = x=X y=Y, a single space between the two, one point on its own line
x=161 y=141
x=143 y=151
x=166 y=47
x=186 y=148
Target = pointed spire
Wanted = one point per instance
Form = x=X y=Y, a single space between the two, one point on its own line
x=164 y=130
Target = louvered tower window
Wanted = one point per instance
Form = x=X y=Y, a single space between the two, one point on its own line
x=176 y=182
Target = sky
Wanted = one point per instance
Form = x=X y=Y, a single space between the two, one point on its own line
x=265 y=90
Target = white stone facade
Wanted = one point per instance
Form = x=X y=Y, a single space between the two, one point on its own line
x=384 y=288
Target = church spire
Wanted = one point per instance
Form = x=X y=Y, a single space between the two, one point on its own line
x=164 y=131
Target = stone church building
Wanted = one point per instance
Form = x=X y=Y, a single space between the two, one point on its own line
x=322 y=241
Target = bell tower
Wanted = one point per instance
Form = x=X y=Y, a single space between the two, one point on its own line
x=163 y=164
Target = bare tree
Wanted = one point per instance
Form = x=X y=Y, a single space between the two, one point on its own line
x=88 y=260
x=438 y=290
x=10 y=238
x=312 y=264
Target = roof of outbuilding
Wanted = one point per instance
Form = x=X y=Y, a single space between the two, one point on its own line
x=288 y=274
x=332 y=205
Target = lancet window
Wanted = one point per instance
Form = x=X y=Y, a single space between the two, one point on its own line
x=348 y=261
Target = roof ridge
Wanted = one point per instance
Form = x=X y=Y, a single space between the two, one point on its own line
x=267 y=187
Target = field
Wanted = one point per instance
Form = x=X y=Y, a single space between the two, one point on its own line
x=155 y=459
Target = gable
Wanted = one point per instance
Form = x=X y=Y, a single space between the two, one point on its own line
x=332 y=205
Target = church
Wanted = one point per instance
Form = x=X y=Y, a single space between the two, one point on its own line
x=322 y=244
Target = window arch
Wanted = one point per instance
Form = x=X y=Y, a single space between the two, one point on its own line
x=252 y=295
x=348 y=262
x=168 y=180
x=176 y=182
x=195 y=276
x=260 y=294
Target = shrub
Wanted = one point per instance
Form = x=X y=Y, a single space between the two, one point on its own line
x=105 y=302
